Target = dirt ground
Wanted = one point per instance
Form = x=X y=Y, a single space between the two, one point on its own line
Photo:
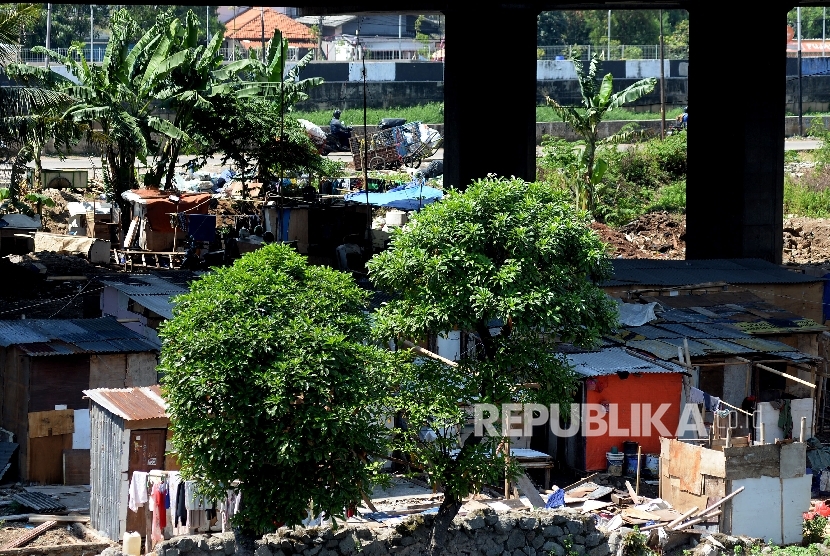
x=61 y=534
x=662 y=236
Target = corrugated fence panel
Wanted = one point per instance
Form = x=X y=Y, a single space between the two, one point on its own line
x=105 y=479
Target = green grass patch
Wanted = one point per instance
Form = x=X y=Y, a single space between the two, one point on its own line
x=808 y=195
x=546 y=114
x=432 y=113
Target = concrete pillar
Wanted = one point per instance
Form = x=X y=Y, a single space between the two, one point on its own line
x=735 y=186
x=489 y=93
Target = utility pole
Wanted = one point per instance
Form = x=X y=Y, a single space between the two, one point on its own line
x=48 y=32
x=262 y=22
x=233 y=42
x=91 y=35
x=800 y=105
x=608 y=55
x=207 y=25
x=662 y=83
x=400 y=47
x=823 y=29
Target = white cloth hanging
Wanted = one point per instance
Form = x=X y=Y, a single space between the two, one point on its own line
x=138 y=490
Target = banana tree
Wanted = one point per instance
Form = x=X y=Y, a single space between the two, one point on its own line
x=117 y=99
x=598 y=97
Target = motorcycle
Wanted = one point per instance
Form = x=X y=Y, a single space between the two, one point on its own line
x=338 y=143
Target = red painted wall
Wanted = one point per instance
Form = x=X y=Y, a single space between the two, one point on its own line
x=648 y=388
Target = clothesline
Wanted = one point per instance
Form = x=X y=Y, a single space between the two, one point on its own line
x=694 y=397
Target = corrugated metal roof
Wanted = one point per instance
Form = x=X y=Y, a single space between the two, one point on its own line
x=654 y=272
x=650 y=332
x=722 y=331
x=655 y=347
x=696 y=349
x=142 y=284
x=795 y=355
x=162 y=305
x=683 y=315
x=724 y=346
x=686 y=331
x=612 y=360
x=762 y=345
x=59 y=337
x=131 y=404
x=11 y=333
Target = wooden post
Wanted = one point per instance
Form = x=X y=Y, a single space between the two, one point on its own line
x=637 y=486
x=728 y=437
x=803 y=433
x=763 y=434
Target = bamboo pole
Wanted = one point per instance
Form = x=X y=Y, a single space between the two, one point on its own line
x=785 y=375
x=427 y=353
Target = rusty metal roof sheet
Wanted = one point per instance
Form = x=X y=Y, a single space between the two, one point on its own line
x=131 y=404
x=616 y=359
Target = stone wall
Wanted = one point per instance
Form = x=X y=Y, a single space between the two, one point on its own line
x=514 y=533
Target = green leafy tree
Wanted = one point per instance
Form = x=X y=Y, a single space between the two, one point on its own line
x=70 y=24
x=598 y=97
x=269 y=382
x=504 y=254
x=561 y=27
x=41 y=123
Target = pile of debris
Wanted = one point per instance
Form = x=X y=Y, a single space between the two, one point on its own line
x=657 y=235
x=806 y=240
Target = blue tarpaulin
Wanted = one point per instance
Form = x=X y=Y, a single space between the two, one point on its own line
x=411 y=196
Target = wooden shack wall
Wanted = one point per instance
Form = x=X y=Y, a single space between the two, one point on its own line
x=106 y=475
x=16 y=401
x=58 y=380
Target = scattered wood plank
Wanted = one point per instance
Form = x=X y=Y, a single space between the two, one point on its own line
x=33 y=518
x=523 y=481
x=631 y=493
x=695 y=521
x=30 y=535
x=580 y=482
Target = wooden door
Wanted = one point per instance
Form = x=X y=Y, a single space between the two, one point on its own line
x=146 y=454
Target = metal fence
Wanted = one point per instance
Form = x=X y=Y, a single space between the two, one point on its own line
x=617 y=52
x=26 y=55
x=390 y=52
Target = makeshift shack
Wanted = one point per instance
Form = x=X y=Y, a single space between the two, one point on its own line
x=317 y=229
x=129 y=432
x=791 y=290
x=740 y=352
x=621 y=382
x=44 y=366
x=776 y=489
x=141 y=301
x=17 y=233
x=78 y=211
x=157 y=212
